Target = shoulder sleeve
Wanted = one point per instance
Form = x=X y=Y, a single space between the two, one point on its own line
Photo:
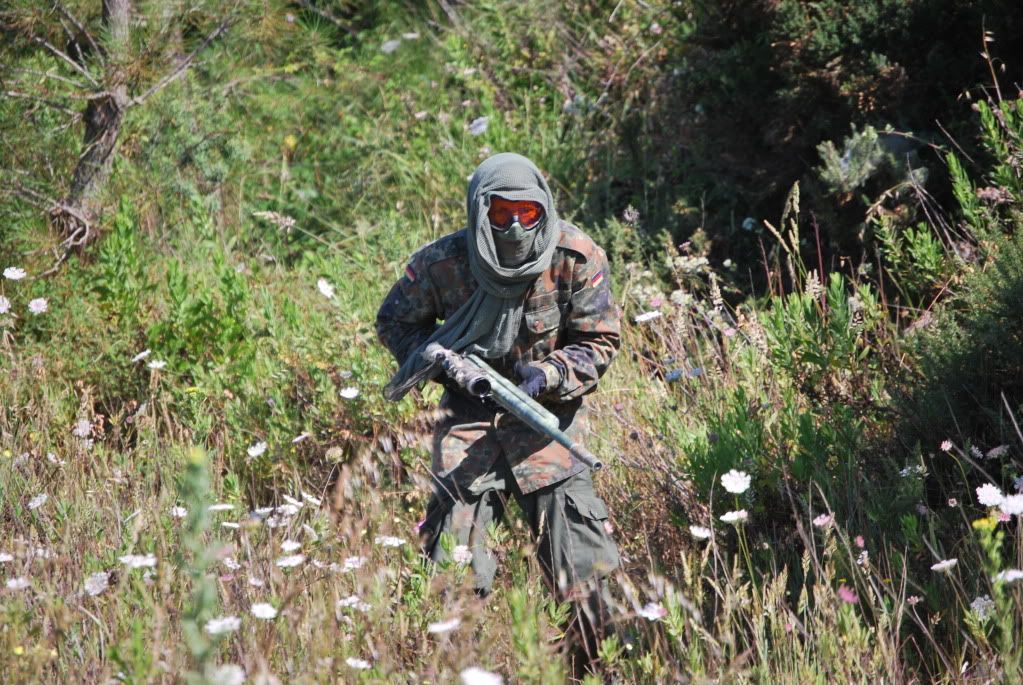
x=408 y=315
x=593 y=329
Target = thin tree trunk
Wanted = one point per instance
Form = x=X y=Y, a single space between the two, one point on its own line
x=103 y=117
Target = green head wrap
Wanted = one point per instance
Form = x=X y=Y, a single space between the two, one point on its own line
x=489 y=321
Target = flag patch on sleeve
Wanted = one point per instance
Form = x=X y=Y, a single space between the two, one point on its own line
x=410 y=273
x=597 y=279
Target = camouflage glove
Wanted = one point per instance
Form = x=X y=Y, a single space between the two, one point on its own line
x=537 y=378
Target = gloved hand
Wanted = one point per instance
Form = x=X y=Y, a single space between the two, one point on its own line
x=534 y=378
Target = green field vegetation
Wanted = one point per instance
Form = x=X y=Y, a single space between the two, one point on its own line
x=814 y=209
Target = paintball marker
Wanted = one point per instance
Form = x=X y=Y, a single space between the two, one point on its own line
x=479 y=379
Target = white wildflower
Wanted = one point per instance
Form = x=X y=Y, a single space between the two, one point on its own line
x=944 y=565
x=39 y=305
x=178 y=512
x=477 y=676
x=290 y=545
x=824 y=520
x=998 y=452
x=461 y=554
x=82 y=429
x=157 y=364
x=976 y=453
x=221 y=506
x=479 y=126
x=18 y=583
x=264 y=611
x=315 y=501
x=388 y=541
x=1012 y=505
x=223 y=624
x=653 y=611
x=291 y=561
x=97 y=583
x=352 y=563
x=5 y=305
x=736 y=482
x=349 y=393
x=325 y=288
x=989 y=495
x=38 y=501
x=444 y=626
x=256 y=450
x=700 y=532
x=946 y=445
x=647 y=316
x=982 y=607
x=293 y=502
x=230 y=525
x=735 y=516
x=353 y=602
x=360 y=664
x=138 y=560
x=141 y=355
x=228 y=674
x=231 y=564
x=14 y=273
x=5 y=557
x=1009 y=575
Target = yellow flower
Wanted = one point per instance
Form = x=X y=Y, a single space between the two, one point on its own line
x=987 y=523
x=290 y=141
x=18 y=650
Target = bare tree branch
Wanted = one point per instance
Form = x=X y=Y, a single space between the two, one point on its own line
x=49 y=103
x=55 y=77
x=81 y=29
x=74 y=65
x=181 y=68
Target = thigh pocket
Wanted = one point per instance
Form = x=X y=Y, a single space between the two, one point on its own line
x=587 y=506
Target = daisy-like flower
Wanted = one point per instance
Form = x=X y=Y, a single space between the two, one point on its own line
x=647 y=316
x=97 y=583
x=352 y=563
x=18 y=583
x=349 y=393
x=945 y=565
x=479 y=126
x=824 y=520
x=298 y=504
x=14 y=273
x=228 y=674
x=653 y=611
x=291 y=561
x=477 y=676
x=739 y=516
x=461 y=554
x=39 y=305
x=982 y=607
x=5 y=305
x=700 y=532
x=256 y=450
x=736 y=482
x=989 y=495
x=157 y=364
x=388 y=541
x=141 y=355
x=847 y=594
x=290 y=545
x=1009 y=575
x=82 y=429
x=1012 y=505
x=223 y=624
x=444 y=626
x=178 y=512
x=311 y=499
x=946 y=445
x=264 y=611
x=325 y=288
x=353 y=602
x=38 y=501
x=231 y=564
x=220 y=506
x=138 y=560
x=359 y=664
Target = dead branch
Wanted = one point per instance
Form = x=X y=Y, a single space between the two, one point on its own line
x=62 y=55
x=81 y=29
x=49 y=103
x=55 y=77
x=181 y=68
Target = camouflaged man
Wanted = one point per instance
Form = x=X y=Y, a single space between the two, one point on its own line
x=531 y=294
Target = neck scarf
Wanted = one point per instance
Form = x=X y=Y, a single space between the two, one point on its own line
x=489 y=321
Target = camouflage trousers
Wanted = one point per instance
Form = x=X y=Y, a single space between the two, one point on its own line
x=569 y=523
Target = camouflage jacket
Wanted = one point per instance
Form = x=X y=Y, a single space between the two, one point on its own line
x=569 y=317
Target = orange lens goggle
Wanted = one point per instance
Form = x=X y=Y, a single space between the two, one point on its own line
x=502 y=213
